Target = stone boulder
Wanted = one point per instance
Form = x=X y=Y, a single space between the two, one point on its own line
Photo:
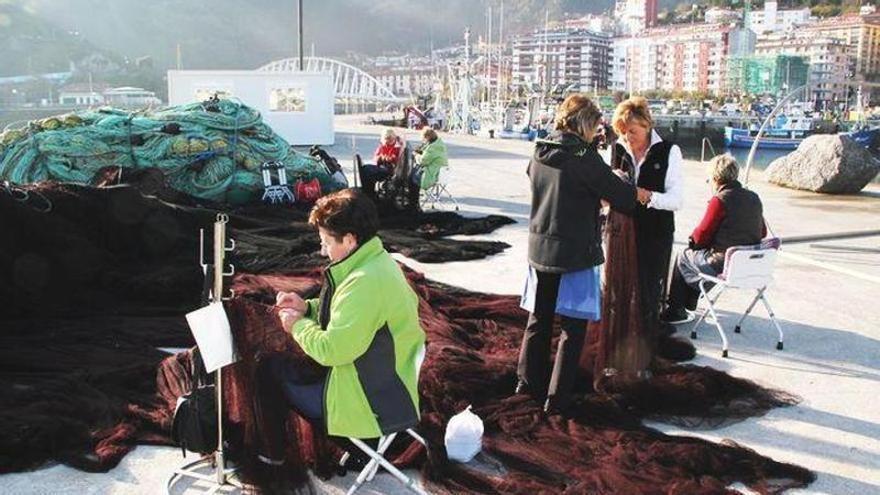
x=825 y=163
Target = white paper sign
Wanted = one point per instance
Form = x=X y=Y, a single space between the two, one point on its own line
x=213 y=335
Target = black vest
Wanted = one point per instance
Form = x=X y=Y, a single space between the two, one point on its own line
x=652 y=176
x=743 y=222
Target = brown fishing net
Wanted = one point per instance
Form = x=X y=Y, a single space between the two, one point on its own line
x=103 y=279
x=95 y=279
x=620 y=350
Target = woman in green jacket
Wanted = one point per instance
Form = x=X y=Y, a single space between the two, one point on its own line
x=363 y=329
x=430 y=159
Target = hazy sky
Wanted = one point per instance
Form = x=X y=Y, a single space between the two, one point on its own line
x=245 y=34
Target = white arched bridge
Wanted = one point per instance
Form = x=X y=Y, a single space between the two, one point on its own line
x=352 y=85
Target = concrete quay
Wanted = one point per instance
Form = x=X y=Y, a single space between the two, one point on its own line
x=826 y=297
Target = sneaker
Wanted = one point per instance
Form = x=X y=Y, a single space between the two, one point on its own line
x=675 y=315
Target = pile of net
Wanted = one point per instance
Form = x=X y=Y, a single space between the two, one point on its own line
x=211 y=150
x=99 y=281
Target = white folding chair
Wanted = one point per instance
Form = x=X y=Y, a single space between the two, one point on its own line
x=745 y=267
x=435 y=193
x=377 y=458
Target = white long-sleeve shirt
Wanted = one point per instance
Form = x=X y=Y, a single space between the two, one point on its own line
x=673 y=198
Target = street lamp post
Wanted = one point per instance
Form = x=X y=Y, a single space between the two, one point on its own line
x=299 y=16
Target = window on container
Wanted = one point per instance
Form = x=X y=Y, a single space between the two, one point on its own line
x=287 y=99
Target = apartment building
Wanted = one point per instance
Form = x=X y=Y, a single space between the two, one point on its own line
x=773 y=20
x=561 y=58
x=861 y=33
x=829 y=60
x=682 y=58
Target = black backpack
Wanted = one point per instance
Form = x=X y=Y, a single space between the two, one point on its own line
x=331 y=164
x=194 y=426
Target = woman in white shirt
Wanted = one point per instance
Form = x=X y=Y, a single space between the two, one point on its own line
x=656 y=166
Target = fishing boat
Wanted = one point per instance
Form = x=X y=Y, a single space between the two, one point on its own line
x=790 y=139
x=865 y=136
x=785 y=133
x=526 y=133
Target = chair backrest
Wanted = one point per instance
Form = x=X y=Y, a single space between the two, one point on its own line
x=749 y=267
x=766 y=243
x=404 y=165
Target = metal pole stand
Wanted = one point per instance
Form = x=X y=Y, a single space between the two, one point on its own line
x=210 y=474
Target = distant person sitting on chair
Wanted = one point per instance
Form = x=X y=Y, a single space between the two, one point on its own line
x=363 y=331
x=430 y=158
x=388 y=156
x=734 y=217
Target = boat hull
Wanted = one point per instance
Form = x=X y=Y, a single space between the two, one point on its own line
x=742 y=138
x=864 y=137
x=525 y=136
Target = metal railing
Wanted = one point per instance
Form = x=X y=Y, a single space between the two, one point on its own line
x=703 y=149
x=767 y=120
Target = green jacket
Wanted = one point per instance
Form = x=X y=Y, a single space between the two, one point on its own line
x=434 y=156
x=365 y=328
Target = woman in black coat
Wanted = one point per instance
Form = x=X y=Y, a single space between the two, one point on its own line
x=568 y=180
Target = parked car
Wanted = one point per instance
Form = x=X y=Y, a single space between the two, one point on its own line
x=730 y=110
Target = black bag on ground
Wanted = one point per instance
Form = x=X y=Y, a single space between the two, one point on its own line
x=194 y=426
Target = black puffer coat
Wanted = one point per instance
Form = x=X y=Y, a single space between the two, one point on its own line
x=568 y=179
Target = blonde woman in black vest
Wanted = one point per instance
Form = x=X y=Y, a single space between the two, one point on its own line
x=655 y=166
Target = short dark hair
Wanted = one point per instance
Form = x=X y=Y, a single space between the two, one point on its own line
x=430 y=135
x=348 y=211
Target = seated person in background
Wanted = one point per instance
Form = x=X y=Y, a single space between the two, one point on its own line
x=440 y=118
x=734 y=217
x=430 y=158
x=364 y=331
x=389 y=154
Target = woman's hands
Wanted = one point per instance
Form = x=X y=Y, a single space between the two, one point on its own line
x=643 y=195
x=288 y=318
x=290 y=300
x=291 y=308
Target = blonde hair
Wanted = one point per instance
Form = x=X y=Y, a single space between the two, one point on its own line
x=579 y=115
x=724 y=169
x=631 y=111
x=388 y=132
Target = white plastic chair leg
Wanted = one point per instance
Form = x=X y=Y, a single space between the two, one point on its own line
x=406 y=480
x=372 y=466
x=383 y=445
x=707 y=297
x=428 y=196
x=720 y=330
x=703 y=297
x=417 y=437
x=710 y=303
x=773 y=319
x=742 y=318
x=450 y=196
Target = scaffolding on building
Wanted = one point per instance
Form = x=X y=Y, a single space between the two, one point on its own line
x=762 y=75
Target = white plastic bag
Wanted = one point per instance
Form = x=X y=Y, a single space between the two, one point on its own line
x=464 y=436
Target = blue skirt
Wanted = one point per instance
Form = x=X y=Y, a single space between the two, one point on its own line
x=580 y=294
